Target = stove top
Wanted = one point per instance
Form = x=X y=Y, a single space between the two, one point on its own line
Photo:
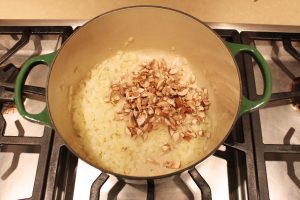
x=259 y=160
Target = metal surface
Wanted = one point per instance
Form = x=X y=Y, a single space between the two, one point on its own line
x=201 y=183
x=256 y=157
x=295 y=87
x=276 y=128
x=25 y=147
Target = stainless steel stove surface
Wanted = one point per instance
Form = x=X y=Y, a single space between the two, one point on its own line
x=259 y=160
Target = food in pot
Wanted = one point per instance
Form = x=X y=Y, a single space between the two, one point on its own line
x=141 y=113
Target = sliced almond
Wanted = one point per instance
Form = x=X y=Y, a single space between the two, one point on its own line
x=189 y=96
x=205 y=102
x=150 y=96
x=163 y=104
x=207 y=134
x=173 y=71
x=191 y=104
x=139 y=131
x=176 y=137
x=183 y=92
x=153 y=63
x=152 y=161
x=144 y=94
x=115 y=88
x=141 y=119
x=186 y=136
x=146 y=84
x=164 y=112
x=176 y=165
x=150 y=127
x=145 y=102
x=147 y=127
x=107 y=100
x=118 y=117
x=172 y=92
x=201 y=108
x=200 y=133
x=139 y=103
x=134 y=136
x=160 y=83
x=134 y=89
x=164 y=91
x=127 y=110
x=178 y=102
x=167 y=122
x=169 y=81
x=193 y=79
x=134 y=95
x=145 y=136
x=195 y=95
x=166 y=147
x=171 y=102
x=116 y=98
x=194 y=121
x=172 y=164
x=140 y=90
x=193 y=134
x=202 y=114
x=128 y=132
x=155 y=99
x=157 y=111
x=158 y=93
x=131 y=120
x=171 y=132
x=152 y=119
x=135 y=113
x=150 y=111
x=124 y=148
x=173 y=122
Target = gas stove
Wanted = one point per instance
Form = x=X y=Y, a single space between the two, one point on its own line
x=259 y=160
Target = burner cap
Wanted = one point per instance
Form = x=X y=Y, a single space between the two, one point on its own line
x=295 y=87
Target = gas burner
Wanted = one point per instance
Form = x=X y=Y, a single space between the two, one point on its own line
x=295 y=87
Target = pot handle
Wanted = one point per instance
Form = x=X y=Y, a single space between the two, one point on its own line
x=43 y=116
x=248 y=105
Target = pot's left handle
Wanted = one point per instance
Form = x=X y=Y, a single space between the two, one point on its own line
x=43 y=116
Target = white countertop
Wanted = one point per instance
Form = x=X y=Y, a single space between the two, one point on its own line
x=275 y=12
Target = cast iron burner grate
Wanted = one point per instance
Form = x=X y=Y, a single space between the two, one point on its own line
x=44 y=144
x=273 y=152
x=295 y=87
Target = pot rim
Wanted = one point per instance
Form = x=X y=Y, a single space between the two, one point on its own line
x=163 y=175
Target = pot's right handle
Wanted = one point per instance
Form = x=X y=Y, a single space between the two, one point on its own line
x=246 y=104
x=43 y=116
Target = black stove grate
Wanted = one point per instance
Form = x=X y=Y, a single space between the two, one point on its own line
x=271 y=152
x=43 y=144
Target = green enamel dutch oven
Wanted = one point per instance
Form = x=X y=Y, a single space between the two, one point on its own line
x=152 y=27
